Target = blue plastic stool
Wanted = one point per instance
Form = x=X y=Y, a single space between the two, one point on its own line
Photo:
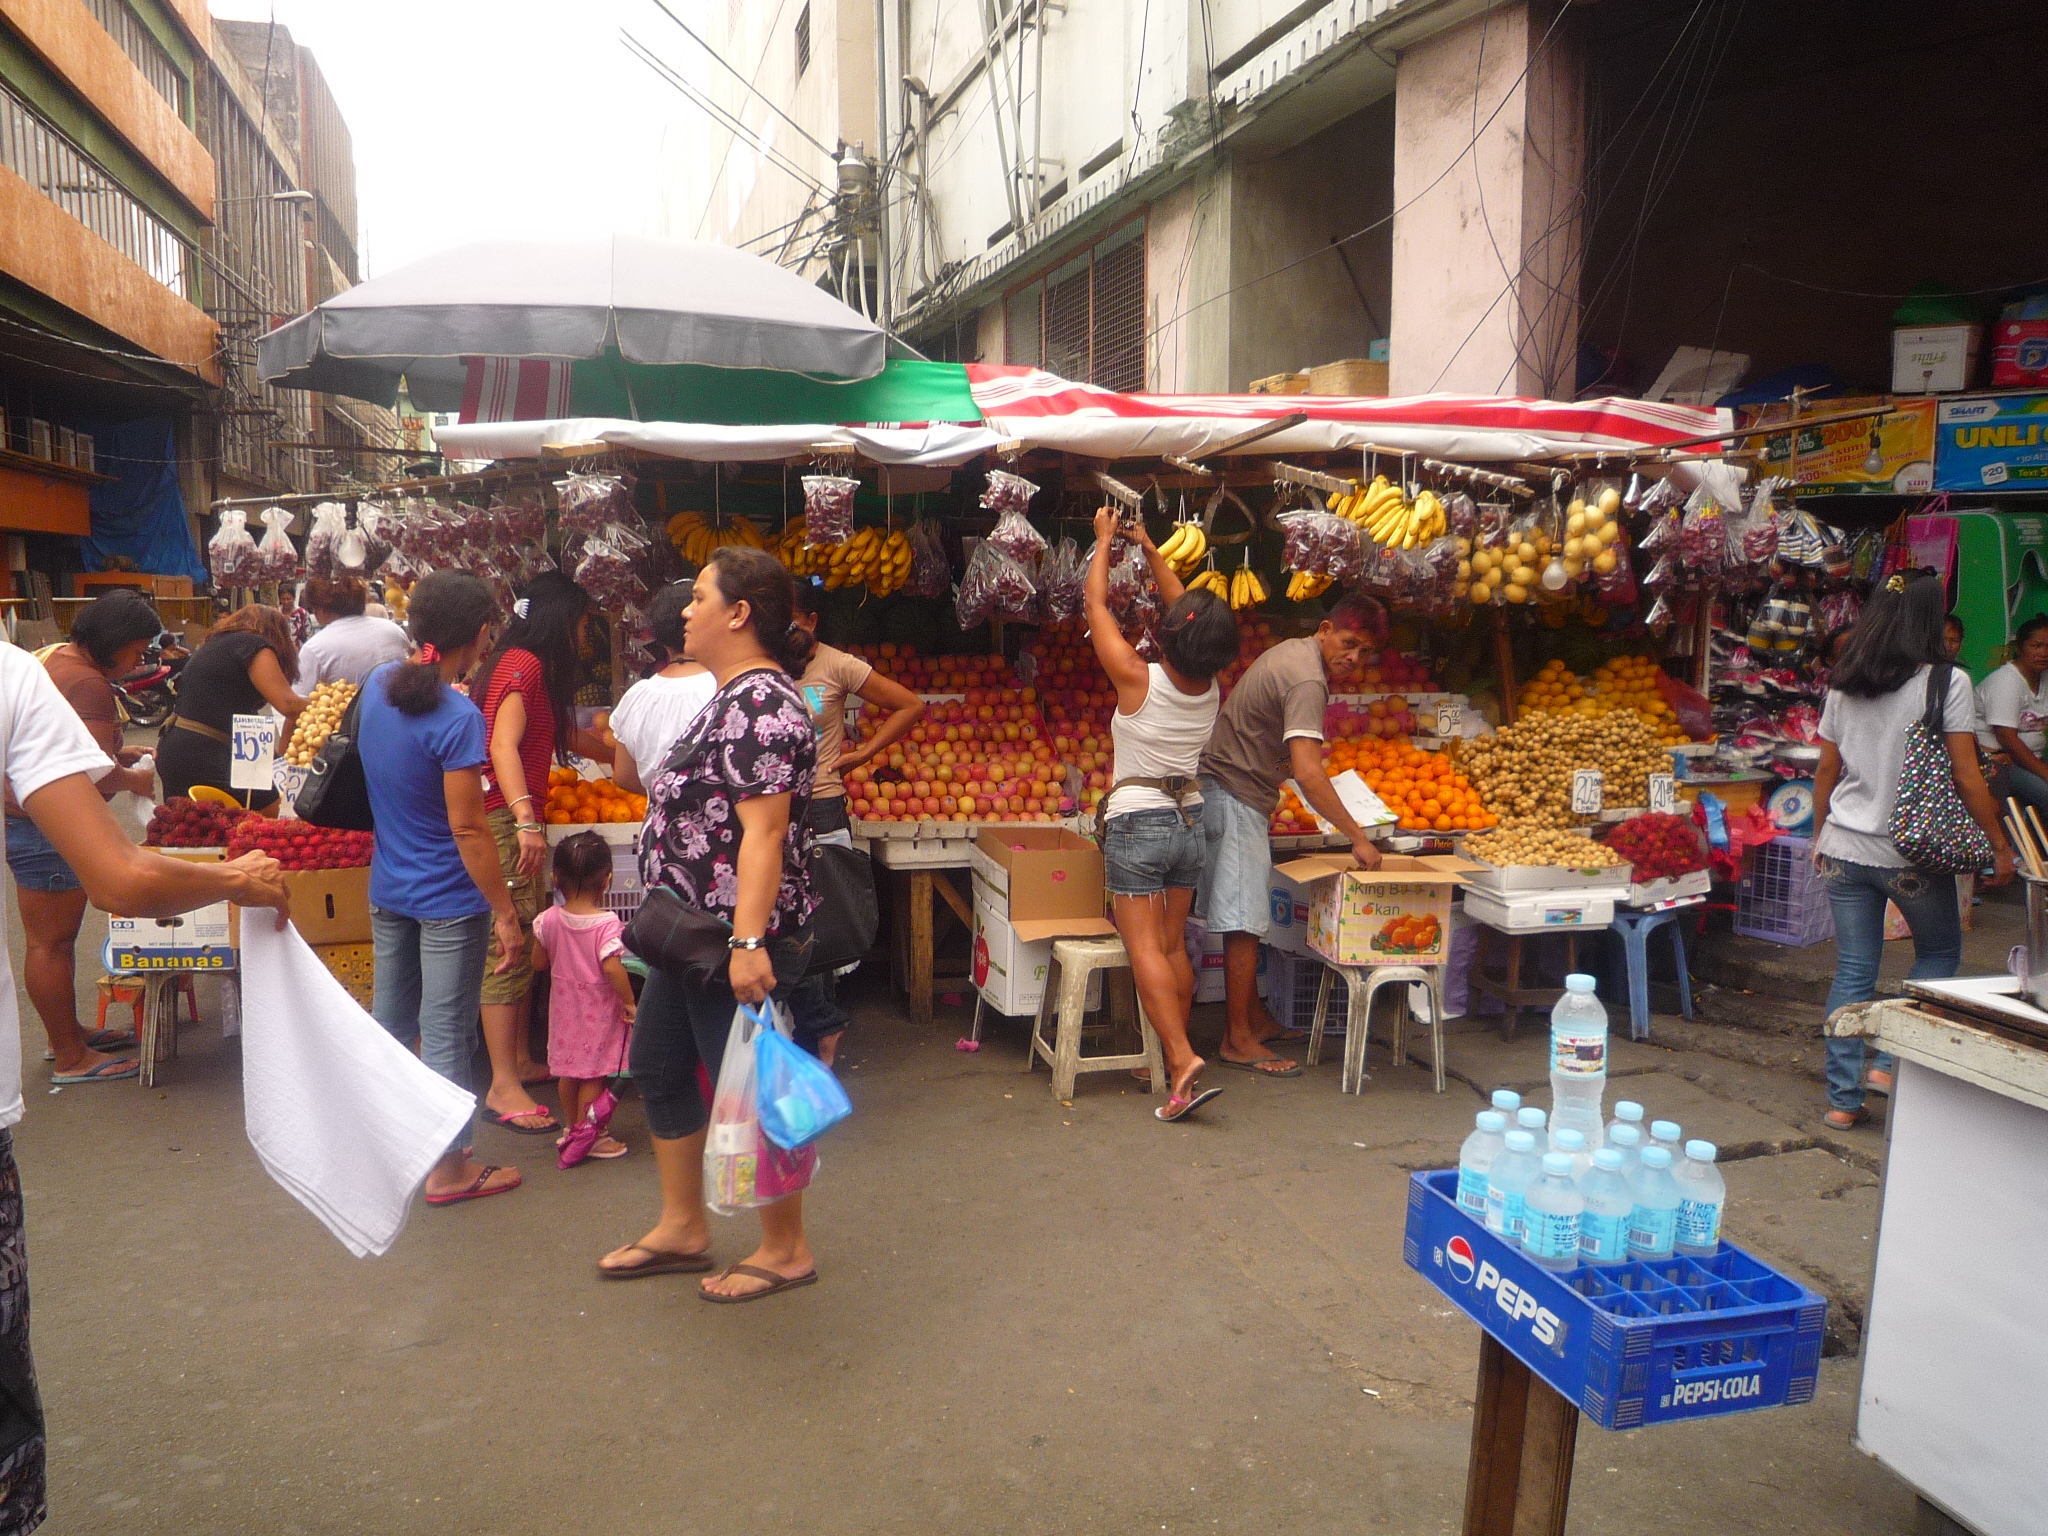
x=1635 y=929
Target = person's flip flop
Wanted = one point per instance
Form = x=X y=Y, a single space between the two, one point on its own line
x=111 y=1040
x=1263 y=1067
x=775 y=1283
x=1180 y=1109
x=1287 y=1037
x=504 y=1122
x=476 y=1189
x=118 y=1070
x=660 y=1261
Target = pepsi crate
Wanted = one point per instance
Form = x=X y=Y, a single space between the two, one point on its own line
x=1629 y=1344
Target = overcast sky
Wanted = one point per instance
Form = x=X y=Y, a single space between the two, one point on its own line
x=474 y=118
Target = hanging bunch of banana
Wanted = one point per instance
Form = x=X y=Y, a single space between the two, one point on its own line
x=1362 y=504
x=879 y=559
x=1212 y=581
x=1247 y=587
x=789 y=547
x=1185 y=549
x=696 y=539
x=1389 y=518
x=1304 y=585
x=893 y=565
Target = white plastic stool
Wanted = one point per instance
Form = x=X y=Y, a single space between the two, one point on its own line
x=1361 y=982
x=1074 y=962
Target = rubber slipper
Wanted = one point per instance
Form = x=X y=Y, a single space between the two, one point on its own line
x=775 y=1283
x=1263 y=1067
x=1848 y=1119
x=504 y=1122
x=1180 y=1109
x=1287 y=1037
x=111 y=1040
x=476 y=1189
x=620 y=1149
x=659 y=1262
x=118 y=1070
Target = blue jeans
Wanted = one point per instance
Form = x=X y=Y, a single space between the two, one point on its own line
x=1153 y=850
x=36 y=863
x=430 y=981
x=1858 y=893
x=679 y=1025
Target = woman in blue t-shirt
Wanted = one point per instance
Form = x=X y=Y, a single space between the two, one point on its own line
x=436 y=887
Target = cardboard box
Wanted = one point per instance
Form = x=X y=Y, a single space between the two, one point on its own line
x=329 y=906
x=193 y=941
x=1291 y=899
x=1934 y=359
x=354 y=966
x=1509 y=880
x=1007 y=972
x=1045 y=882
x=1398 y=914
x=2019 y=353
x=1647 y=893
x=1541 y=911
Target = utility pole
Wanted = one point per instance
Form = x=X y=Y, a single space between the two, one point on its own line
x=884 y=277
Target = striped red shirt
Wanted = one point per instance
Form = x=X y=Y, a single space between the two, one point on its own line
x=520 y=672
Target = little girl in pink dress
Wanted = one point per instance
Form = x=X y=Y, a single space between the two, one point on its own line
x=590 y=1009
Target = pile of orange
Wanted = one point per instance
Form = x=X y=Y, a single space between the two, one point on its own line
x=1424 y=789
x=574 y=801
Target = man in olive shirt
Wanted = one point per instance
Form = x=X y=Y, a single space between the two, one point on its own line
x=1270 y=730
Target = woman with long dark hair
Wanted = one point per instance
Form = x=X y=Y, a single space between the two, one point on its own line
x=1880 y=687
x=526 y=688
x=248 y=661
x=437 y=890
x=727 y=832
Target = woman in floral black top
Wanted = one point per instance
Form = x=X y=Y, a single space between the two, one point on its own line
x=727 y=831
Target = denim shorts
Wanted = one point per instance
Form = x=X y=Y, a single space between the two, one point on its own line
x=36 y=863
x=1146 y=852
x=1236 y=893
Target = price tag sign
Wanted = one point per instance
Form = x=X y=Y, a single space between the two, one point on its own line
x=1663 y=794
x=252 y=746
x=1450 y=718
x=1585 y=791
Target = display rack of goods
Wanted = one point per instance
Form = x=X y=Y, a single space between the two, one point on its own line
x=323 y=713
x=576 y=801
x=988 y=760
x=183 y=823
x=1626 y=684
x=301 y=845
x=1524 y=772
x=1424 y=789
x=1291 y=817
x=936 y=674
x=1526 y=847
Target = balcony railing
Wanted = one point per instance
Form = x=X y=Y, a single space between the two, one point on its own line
x=140 y=44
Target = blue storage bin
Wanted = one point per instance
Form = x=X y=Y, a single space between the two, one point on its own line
x=1629 y=1344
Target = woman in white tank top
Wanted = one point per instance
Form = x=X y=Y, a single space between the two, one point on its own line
x=1152 y=839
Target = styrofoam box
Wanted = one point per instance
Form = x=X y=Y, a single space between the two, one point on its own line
x=1933 y=359
x=1647 y=893
x=1511 y=880
x=1205 y=954
x=1008 y=973
x=1541 y=911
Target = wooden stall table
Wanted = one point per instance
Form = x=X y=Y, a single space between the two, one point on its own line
x=921 y=861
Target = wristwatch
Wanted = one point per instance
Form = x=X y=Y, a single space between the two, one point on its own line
x=736 y=942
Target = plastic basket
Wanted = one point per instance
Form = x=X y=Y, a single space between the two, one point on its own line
x=1291 y=984
x=1783 y=897
x=1630 y=1344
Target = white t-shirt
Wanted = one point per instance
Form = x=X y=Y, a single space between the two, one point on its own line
x=2004 y=699
x=1871 y=736
x=654 y=712
x=41 y=740
x=349 y=650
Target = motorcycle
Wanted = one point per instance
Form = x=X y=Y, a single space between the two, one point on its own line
x=148 y=692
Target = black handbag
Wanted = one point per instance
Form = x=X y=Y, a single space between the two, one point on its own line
x=847 y=916
x=685 y=941
x=335 y=793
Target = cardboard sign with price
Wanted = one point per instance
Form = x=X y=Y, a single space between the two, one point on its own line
x=1663 y=794
x=252 y=747
x=1585 y=791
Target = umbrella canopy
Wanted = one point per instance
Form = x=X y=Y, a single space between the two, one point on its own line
x=654 y=301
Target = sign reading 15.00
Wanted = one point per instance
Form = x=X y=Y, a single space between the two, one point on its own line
x=252 y=747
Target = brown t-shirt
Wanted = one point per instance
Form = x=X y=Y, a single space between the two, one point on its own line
x=826 y=682
x=1281 y=696
x=91 y=697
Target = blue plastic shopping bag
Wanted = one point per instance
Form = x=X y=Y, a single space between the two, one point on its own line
x=799 y=1098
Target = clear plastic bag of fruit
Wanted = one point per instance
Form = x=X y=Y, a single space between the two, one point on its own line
x=586 y=503
x=1015 y=537
x=329 y=523
x=1133 y=598
x=1428 y=578
x=1614 y=577
x=931 y=573
x=1702 y=545
x=1661 y=496
x=277 y=558
x=995 y=586
x=1662 y=533
x=231 y=552
x=1060 y=582
x=828 y=508
x=1322 y=544
x=1461 y=515
x=1007 y=493
x=607 y=569
x=377 y=525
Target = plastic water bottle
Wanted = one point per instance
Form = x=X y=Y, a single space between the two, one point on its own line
x=1653 y=1216
x=1551 y=1214
x=1603 y=1226
x=1507 y=1183
x=1626 y=1112
x=1578 y=1061
x=1703 y=1192
x=1573 y=1145
x=1628 y=1141
x=1475 y=1158
x=1506 y=1100
x=1666 y=1134
x=1534 y=1120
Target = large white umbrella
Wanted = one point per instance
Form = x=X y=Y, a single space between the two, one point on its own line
x=654 y=300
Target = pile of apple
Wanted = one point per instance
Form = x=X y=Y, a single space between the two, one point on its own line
x=1382 y=719
x=986 y=757
x=1254 y=638
x=936 y=674
x=183 y=823
x=301 y=845
x=1077 y=700
x=1387 y=671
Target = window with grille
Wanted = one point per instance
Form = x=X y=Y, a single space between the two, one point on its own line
x=142 y=48
x=803 y=41
x=1085 y=319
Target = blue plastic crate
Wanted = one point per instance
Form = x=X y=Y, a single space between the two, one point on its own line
x=1630 y=1344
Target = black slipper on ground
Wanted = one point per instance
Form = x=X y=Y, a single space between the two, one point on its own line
x=1260 y=1068
x=660 y=1261
x=775 y=1283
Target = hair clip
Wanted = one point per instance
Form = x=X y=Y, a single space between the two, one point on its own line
x=1896 y=584
x=519 y=609
x=430 y=654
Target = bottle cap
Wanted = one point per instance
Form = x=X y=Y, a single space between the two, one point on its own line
x=1665 y=1130
x=1578 y=981
x=1629 y=1110
x=1568 y=1141
x=1530 y=1118
x=1701 y=1151
x=1656 y=1157
x=1506 y=1100
x=1521 y=1141
x=1492 y=1122
x=1557 y=1164
x=1609 y=1158
x=1625 y=1136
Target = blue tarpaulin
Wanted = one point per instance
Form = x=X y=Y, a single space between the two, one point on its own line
x=142 y=513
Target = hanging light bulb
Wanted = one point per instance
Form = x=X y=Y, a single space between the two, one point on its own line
x=1555 y=575
x=1873 y=463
